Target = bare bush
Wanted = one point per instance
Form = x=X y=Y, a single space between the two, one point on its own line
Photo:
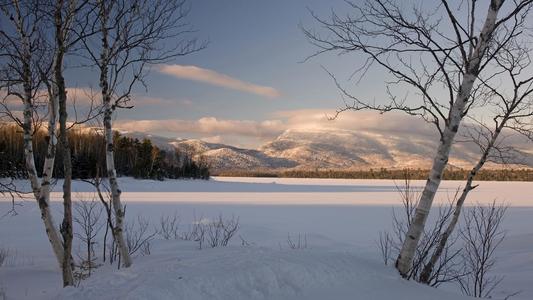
x=104 y=195
x=297 y=243
x=169 y=226
x=220 y=231
x=138 y=236
x=4 y=253
x=385 y=244
x=467 y=257
x=87 y=217
x=245 y=242
x=195 y=231
x=481 y=234
x=3 y=256
x=213 y=233
x=8 y=190
x=448 y=266
x=13 y=258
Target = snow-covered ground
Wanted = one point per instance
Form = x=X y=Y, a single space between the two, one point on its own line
x=340 y=218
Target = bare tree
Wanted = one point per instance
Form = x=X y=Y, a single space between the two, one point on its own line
x=513 y=111
x=419 y=51
x=64 y=16
x=24 y=65
x=131 y=35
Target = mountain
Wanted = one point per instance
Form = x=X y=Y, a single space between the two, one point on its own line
x=339 y=149
x=329 y=149
x=224 y=157
x=345 y=149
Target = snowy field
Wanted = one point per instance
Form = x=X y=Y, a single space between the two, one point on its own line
x=341 y=220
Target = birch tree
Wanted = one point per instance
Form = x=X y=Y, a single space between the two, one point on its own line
x=132 y=35
x=24 y=62
x=34 y=49
x=62 y=19
x=70 y=23
x=513 y=111
x=439 y=54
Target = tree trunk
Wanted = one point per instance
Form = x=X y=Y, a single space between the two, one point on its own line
x=41 y=192
x=66 y=225
x=118 y=232
x=428 y=268
x=405 y=258
x=115 y=190
x=61 y=94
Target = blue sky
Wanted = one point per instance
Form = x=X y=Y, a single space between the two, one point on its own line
x=251 y=82
x=256 y=42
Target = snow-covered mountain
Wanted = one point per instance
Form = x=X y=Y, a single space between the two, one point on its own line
x=344 y=149
x=224 y=157
x=329 y=149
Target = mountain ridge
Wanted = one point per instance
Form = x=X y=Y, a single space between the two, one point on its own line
x=329 y=149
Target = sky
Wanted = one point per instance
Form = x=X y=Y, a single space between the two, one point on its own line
x=249 y=82
x=253 y=81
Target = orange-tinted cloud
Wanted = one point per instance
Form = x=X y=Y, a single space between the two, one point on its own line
x=217 y=79
x=206 y=125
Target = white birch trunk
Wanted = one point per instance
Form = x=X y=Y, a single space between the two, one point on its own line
x=48 y=168
x=405 y=258
x=41 y=192
x=428 y=268
x=118 y=232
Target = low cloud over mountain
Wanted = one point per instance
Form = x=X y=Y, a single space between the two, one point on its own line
x=334 y=148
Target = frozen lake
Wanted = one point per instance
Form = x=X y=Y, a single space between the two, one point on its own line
x=294 y=191
x=335 y=214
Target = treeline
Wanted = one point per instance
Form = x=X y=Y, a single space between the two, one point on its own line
x=504 y=174
x=133 y=157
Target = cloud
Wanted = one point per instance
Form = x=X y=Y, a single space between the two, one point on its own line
x=254 y=133
x=406 y=131
x=206 y=126
x=81 y=96
x=217 y=79
x=374 y=122
x=213 y=139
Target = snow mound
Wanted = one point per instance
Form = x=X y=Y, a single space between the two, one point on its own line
x=177 y=270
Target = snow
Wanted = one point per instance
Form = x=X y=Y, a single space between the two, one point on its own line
x=251 y=273
x=340 y=218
